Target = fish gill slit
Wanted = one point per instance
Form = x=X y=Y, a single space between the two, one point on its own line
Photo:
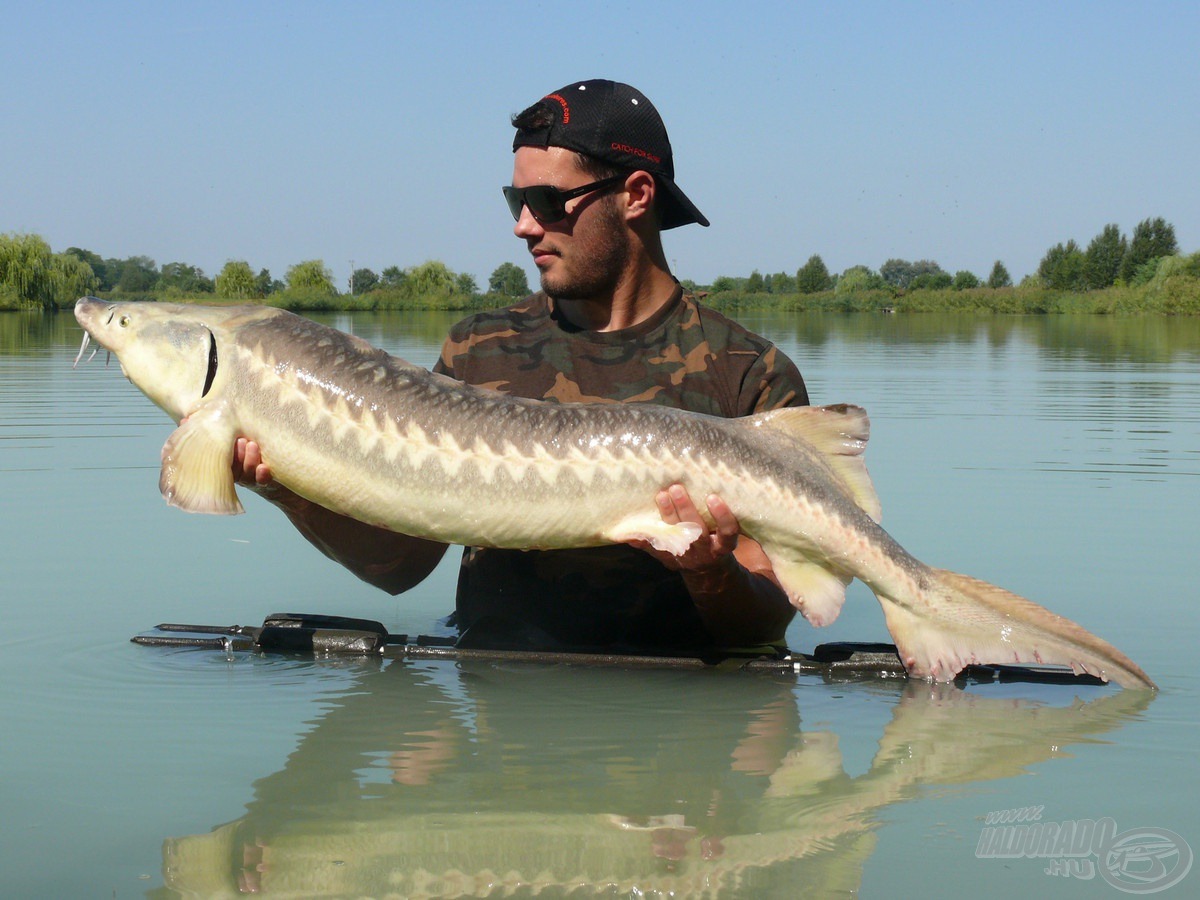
x=212 y=364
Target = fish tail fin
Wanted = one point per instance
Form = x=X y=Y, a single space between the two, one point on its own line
x=957 y=621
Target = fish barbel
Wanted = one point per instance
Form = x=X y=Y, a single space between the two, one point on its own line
x=373 y=437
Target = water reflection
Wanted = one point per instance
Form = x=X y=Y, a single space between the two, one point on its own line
x=431 y=780
x=1123 y=339
x=1097 y=339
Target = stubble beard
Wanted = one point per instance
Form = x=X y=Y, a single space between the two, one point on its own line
x=595 y=266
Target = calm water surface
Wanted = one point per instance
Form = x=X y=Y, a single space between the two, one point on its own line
x=1059 y=457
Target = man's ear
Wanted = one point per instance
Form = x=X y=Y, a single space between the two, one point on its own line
x=640 y=191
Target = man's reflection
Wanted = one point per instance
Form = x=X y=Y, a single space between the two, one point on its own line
x=436 y=779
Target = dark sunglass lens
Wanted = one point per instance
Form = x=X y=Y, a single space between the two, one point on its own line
x=515 y=200
x=545 y=202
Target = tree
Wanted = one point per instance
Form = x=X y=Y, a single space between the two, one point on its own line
x=236 y=281
x=780 y=283
x=363 y=281
x=138 y=274
x=964 y=280
x=859 y=278
x=999 y=277
x=1062 y=267
x=1152 y=239
x=311 y=275
x=932 y=280
x=40 y=277
x=185 y=279
x=99 y=267
x=754 y=284
x=509 y=281
x=393 y=277
x=724 y=283
x=897 y=272
x=265 y=284
x=432 y=278
x=1102 y=260
x=932 y=272
x=464 y=283
x=813 y=277
x=901 y=274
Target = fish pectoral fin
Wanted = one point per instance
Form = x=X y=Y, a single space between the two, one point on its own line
x=196 y=471
x=957 y=621
x=651 y=528
x=840 y=434
x=816 y=591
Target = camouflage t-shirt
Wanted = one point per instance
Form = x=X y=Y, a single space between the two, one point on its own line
x=685 y=356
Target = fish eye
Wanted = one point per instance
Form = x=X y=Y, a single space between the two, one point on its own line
x=123 y=321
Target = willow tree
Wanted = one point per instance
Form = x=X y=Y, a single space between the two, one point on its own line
x=40 y=277
x=236 y=280
x=432 y=278
x=311 y=275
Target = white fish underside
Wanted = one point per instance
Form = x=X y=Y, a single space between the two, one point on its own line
x=371 y=436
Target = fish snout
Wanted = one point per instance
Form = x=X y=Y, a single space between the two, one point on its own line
x=87 y=306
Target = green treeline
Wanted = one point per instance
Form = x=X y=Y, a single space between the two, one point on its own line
x=1114 y=274
x=33 y=276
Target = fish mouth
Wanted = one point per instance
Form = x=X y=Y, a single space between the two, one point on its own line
x=86 y=309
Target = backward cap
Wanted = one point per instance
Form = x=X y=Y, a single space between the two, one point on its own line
x=614 y=123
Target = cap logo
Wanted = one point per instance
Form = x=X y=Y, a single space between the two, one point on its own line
x=635 y=151
x=566 y=109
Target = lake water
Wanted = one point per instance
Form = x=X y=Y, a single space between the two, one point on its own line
x=1059 y=457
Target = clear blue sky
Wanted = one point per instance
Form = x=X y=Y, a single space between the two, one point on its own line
x=378 y=132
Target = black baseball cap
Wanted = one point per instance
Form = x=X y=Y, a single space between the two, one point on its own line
x=614 y=123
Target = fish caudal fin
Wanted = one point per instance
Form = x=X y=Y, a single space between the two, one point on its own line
x=958 y=621
x=196 y=469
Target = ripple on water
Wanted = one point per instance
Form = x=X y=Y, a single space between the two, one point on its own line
x=80 y=674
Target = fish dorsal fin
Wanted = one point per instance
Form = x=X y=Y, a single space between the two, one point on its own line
x=840 y=434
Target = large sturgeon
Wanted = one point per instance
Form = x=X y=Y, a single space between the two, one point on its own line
x=373 y=437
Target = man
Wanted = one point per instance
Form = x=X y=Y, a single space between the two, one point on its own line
x=593 y=188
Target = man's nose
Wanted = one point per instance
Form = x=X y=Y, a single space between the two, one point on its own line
x=527 y=225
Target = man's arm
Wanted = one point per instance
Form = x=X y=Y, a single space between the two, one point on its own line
x=728 y=575
x=389 y=561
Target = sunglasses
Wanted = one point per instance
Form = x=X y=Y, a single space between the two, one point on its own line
x=546 y=203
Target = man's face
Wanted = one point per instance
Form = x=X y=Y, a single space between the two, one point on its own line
x=581 y=257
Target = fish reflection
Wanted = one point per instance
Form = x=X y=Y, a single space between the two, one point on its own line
x=436 y=780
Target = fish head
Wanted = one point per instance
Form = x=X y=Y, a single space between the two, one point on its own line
x=169 y=351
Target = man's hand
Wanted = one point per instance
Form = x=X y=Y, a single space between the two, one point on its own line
x=713 y=549
x=727 y=574
x=390 y=561
x=248 y=467
x=250 y=470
